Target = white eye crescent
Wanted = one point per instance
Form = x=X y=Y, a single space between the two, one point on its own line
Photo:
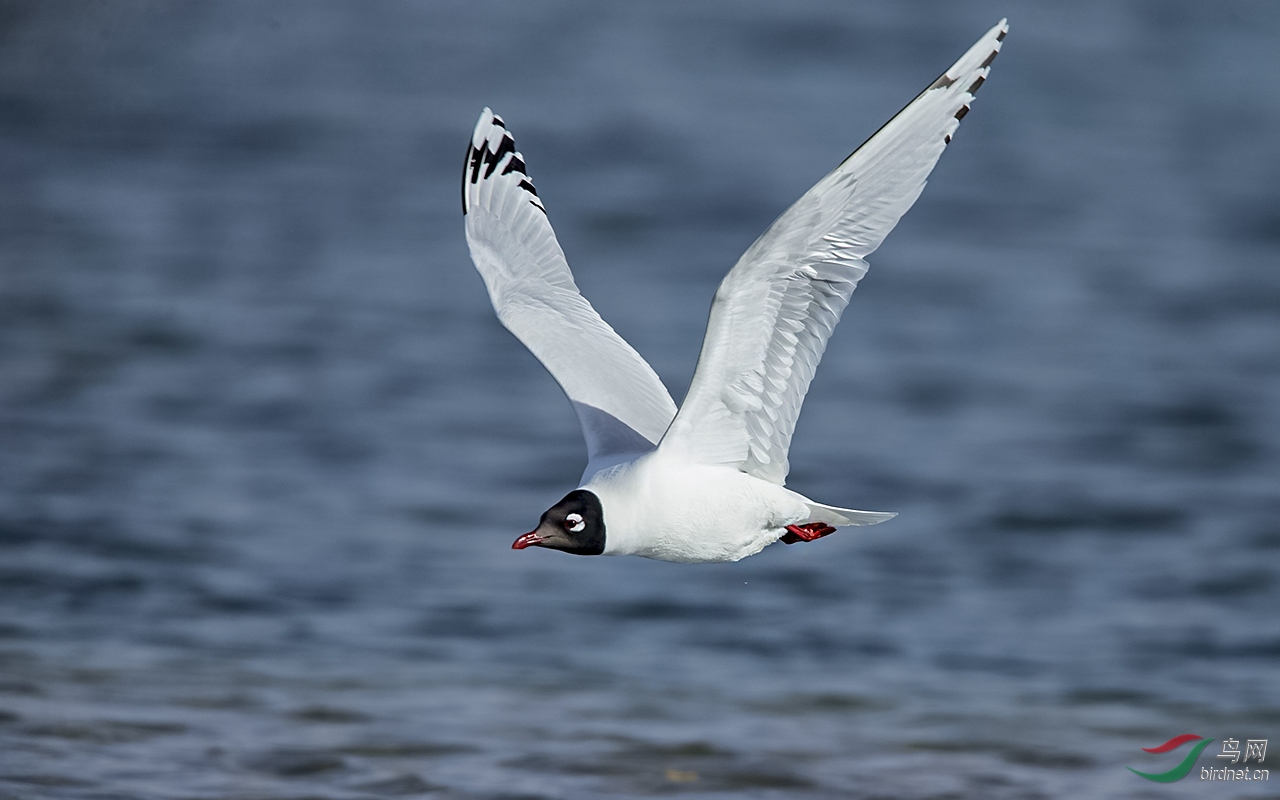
x=574 y=523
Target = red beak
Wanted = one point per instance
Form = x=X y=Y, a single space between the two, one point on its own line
x=530 y=538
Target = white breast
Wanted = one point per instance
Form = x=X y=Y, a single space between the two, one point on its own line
x=659 y=508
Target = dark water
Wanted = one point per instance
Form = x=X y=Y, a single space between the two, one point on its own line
x=263 y=447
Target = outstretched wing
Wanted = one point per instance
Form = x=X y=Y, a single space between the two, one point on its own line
x=622 y=405
x=776 y=308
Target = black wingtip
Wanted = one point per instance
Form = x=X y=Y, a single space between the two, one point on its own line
x=491 y=158
x=481 y=156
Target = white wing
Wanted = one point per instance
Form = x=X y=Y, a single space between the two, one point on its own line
x=622 y=405
x=776 y=308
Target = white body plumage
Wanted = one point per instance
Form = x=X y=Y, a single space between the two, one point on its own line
x=661 y=507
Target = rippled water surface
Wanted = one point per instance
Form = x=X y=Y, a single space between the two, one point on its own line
x=263 y=446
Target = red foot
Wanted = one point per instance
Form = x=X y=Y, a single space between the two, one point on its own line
x=806 y=533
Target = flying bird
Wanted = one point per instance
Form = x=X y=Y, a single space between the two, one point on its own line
x=704 y=482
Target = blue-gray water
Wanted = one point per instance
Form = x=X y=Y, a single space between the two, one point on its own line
x=264 y=448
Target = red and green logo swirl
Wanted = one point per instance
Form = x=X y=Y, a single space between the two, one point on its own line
x=1179 y=772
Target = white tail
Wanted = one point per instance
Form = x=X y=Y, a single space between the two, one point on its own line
x=845 y=516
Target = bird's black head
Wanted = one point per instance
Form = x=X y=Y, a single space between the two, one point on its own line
x=574 y=525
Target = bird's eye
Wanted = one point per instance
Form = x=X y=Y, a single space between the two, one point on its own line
x=574 y=523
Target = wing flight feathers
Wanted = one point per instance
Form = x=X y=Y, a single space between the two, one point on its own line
x=620 y=401
x=775 y=310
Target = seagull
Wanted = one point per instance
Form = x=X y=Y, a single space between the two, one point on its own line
x=705 y=482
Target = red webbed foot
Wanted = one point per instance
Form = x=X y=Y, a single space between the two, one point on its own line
x=806 y=533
